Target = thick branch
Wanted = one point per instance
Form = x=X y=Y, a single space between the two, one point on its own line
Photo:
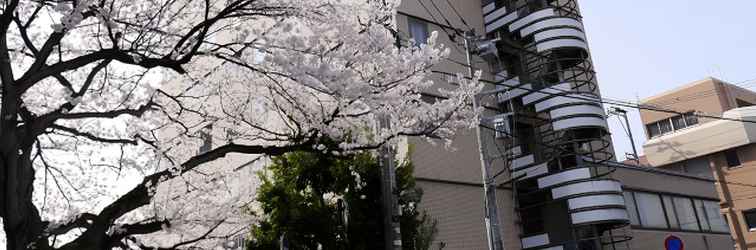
x=92 y=137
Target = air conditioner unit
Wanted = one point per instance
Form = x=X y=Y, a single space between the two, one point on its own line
x=503 y=126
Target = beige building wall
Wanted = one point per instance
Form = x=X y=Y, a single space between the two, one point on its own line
x=704 y=96
x=738 y=190
x=709 y=96
x=702 y=147
x=451 y=176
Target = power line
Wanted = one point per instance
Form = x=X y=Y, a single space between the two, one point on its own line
x=446 y=58
x=458 y=15
x=701 y=94
x=628 y=104
x=443 y=16
x=443 y=28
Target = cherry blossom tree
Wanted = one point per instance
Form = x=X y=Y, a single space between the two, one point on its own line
x=105 y=104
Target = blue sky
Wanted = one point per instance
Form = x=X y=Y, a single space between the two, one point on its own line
x=643 y=47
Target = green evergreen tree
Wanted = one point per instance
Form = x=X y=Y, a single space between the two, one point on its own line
x=334 y=201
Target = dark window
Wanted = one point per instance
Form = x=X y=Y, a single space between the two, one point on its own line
x=750 y=217
x=678 y=122
x=691 y=119
x=418 y=30
x=732 y=158
x=665 y=126
x=653 y=129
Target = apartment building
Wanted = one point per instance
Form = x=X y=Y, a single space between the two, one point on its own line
x=723 y=149
x=545 y=138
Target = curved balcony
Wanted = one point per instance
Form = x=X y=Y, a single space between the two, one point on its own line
x=556 y=84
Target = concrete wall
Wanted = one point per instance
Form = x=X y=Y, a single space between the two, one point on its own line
x=706 y=96
x=459 y=210
x=649 y=179
x=451 y=177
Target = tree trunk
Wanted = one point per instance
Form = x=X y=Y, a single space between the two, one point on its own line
x=22 y=222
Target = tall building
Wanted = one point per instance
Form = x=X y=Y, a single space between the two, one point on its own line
x=723 y=149
x=545 y=139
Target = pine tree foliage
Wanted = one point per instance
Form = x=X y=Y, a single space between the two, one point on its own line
x=333 y=202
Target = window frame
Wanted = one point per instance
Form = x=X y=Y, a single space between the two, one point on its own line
x=641 y=219
x=691 y=199
x=688 y=119
x=729 y=154
x=425 y=27
x=752 y=211
x=649 y=129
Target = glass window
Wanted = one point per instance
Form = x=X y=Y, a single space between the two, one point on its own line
x=715 y=218
x=653 y=129
x=631 y=210
x=669 y=208
x=701 y=211
x=665 y=126
x=650 y=210
x=750 y=217
x=732 y=158
x=418 y=30
x=678 y=122
x=691 y=119
x=685 y=213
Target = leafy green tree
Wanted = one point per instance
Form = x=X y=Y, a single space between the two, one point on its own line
x=334 y=201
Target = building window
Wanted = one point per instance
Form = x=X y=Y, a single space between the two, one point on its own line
x=732 y=158
x=631 y=209
x=669 y=209
x=653 y=130
x=690 y=119
x=661 y=211
x=418 y=30
x=671 y=124
x=650 y=210
x=750 y=217
x=678 y=122
x=665 y=126
x=685 y=214
x=701 y=212
x=714 y=217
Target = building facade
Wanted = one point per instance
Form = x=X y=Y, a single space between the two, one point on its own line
x=722 y=149
x=544 y=136
x=546 y=140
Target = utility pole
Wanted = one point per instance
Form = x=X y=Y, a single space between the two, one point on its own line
x=491 y=219
x=621 y=112
x=392 y=235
